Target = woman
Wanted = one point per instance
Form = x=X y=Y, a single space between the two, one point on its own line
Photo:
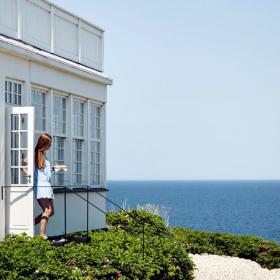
x=42 y=176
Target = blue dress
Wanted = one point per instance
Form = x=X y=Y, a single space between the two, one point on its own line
x=42 y=177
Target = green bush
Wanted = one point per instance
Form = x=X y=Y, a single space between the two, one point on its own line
x=115 y=254
x=133 y=220
x=266 y=253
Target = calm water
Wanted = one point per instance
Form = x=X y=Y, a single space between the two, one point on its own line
x=240 y=207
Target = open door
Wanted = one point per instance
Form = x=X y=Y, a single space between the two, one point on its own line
x=19 y=170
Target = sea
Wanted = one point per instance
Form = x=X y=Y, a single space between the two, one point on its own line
x=238 y=207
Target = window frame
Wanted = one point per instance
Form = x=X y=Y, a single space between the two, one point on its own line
x=61 y=136
x=45 y=91
x=83 y=139
x=95 y=157
x=22 y=94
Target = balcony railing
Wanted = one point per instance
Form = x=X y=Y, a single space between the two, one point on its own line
x=51 y=28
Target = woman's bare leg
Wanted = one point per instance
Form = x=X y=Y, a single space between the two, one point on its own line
x=48 y=210
x=38 y=218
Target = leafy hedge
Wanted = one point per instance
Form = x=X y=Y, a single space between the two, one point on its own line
x=118 y=254
x=266 y=253
x=132 y=222
x=115 y=254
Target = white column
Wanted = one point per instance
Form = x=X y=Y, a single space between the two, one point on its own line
x=27 y=90
x=70 y=138
x=2 y=153
x=49 y=116
x=19 y=9
x=52 y=29
x=103 y=144
x=102 y=52
x=79 y=42
x=88 y=141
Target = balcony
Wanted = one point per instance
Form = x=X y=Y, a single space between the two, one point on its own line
x=51 y=28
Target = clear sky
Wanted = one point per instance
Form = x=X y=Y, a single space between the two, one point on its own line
x=196 y=91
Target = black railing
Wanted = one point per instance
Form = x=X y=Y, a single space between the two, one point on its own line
x=71 y=189
x=125 y=228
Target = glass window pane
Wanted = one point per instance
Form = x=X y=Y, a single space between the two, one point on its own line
x=15 y=122
x=13 y=92
x=14 y=175
x=23 y=157
x=19 y=88
x=14 y=140
x=14 y=158
x=15 y=99
x=39 y=102
x=59 y=114
x=24 y=121
x=24 y=176
x=15 y=88
x=23 y=139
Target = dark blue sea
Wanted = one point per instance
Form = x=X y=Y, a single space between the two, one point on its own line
x=238 y=207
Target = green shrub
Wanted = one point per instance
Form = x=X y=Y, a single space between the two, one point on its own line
x=132 y=221
x=115 y=254
x=266 y=253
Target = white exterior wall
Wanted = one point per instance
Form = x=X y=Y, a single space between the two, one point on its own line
x=76 y=219
x=69 y=83
x=63 y=54
x=56 y=30
x=33 y=73
x=49 y=77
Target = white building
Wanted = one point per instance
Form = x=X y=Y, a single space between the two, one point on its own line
x=51 y=79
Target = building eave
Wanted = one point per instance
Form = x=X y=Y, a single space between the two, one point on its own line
x=26 y=51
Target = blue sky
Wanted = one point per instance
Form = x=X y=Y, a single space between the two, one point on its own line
x=196 y=91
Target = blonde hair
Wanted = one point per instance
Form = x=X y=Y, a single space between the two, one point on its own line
x=43 y=144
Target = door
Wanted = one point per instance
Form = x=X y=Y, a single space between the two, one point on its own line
x=19 y=170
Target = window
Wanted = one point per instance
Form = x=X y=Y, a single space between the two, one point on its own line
x=59 y=136
x=39 y=102
x=78 y=142
x=78 y=111
x=59 y=158
x=95 y=113
x=59 y=114
x=13 y=92
x=95 y=163
x=95 y=143
x=77 y=161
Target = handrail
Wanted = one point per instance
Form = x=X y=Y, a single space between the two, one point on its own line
x=124 y=227
x=70 y=189
x=109 y=200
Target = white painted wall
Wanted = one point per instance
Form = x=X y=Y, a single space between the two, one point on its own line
x=76 y=213
x=9 y=18
x=56 y=30
x=31 y=72
x=40 y=73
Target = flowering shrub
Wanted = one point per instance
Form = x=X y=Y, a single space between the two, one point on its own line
x=116 y=254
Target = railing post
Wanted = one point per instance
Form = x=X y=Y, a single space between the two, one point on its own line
x=143 y=241
x=65 y=216
x=87 y=213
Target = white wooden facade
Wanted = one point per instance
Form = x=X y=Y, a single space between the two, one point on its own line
x=51 y=66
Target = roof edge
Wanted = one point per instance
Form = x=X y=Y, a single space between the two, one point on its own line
x=27 y=51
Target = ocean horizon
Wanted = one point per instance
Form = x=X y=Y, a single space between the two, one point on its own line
x=243 y=207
